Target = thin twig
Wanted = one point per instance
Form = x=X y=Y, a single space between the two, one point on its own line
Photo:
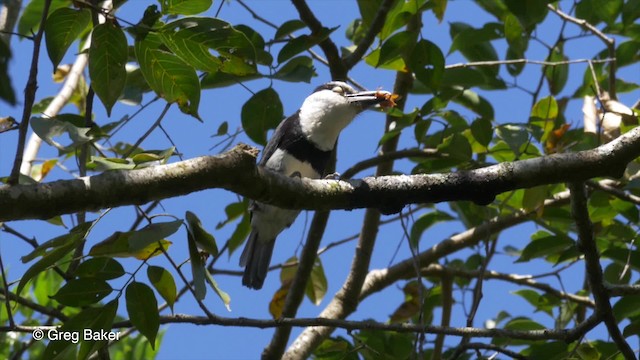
x=29 y=97
x=6 y=298
x=149 y=131
x=528 y=61
x=610 y=42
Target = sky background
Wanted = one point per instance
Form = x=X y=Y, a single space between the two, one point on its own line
x=357 y=142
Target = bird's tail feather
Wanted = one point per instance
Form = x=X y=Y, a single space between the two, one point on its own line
x=256 y=257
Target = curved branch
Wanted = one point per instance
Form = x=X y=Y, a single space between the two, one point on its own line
x=336 y=65
x=380 y=279
x=525 y=280
x=236 y=171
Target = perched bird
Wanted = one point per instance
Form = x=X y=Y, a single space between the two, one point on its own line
x=301 y=146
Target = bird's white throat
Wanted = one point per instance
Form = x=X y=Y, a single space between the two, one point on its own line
x=323 y=115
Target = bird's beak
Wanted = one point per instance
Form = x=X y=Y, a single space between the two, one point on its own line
x=366 y=99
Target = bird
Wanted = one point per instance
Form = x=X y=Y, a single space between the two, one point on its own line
x=301 y=146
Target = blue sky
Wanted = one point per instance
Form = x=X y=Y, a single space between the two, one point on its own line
x=358 y=142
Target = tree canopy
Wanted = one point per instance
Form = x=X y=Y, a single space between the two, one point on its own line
x=492 y=212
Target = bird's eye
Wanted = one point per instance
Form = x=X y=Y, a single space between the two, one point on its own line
x=338 y=90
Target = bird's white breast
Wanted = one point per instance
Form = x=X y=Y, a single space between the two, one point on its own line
x=284 y=163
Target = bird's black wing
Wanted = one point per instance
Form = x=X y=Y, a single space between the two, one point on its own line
x=276 y=141
x=296 y=144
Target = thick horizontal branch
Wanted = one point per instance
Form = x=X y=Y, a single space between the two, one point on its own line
x=236 y=171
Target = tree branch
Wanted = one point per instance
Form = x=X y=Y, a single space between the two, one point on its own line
x=346 y=299
x=380 y=279
x=336 y=65
x=587 y=245
x=29 y=96
x=524 y=280
x=236 y=171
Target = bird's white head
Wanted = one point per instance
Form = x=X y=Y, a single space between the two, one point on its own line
x=330 y=108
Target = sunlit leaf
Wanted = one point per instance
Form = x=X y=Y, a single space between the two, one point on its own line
x=163 y=282
x=63 y=27
x=107 y=58
x=317 y=283
x=226 y=299
x=185 y=7
x=169 y=76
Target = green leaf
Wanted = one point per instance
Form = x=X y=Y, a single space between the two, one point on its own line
x=482 y=131
x=94 y=318
x=99 y=324
x=395 y=47
x=556 y=76
x=514 y=135
x=586 y=351
x=202 y=238
x=169 y=76
x=424 y=222
x=6 y=90
x=131 y=243
x=288 y=27
x=107 y=59
x=240 y=233
x=104 y=164
x=534 y=197
x=427 y=62
x=48 y=128
x=63 y=27
x=153 y=157
x=197 y=269
x=298 y=69
x=301 y=43
x=475 y=44
x=142 y=308
x=523 y=323
x=48 y=260
x=185 y=7
x=317 y=285
x=77 y=233
x=529 y=12
x=545 y=108
x=226 y=299
x=261 y=56
x=457 y=147
x=32 y=15
x=261 y=113
x=163 y=282
x=82 y=292
x=545 y=246
x=626 y=307
x=233 y=211
x=103 y=268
